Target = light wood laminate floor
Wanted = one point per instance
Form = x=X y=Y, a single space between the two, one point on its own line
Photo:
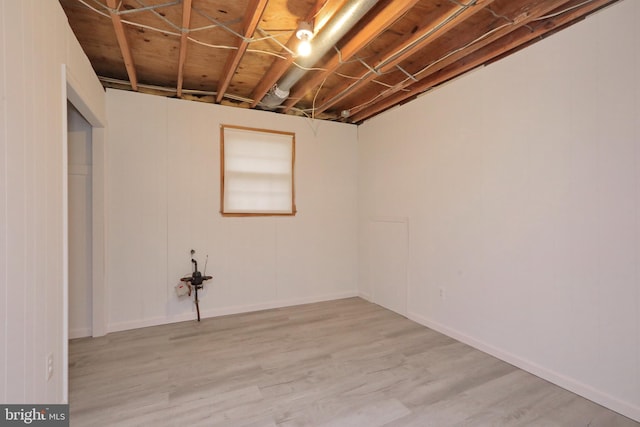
x=338 y=363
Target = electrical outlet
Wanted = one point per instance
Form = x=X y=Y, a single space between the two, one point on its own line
x=49 y=366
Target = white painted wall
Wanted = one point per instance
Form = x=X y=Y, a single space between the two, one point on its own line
x=35 y=42
x=80 y=223
x=521 y=185
x=163 y=200
x=387 y=253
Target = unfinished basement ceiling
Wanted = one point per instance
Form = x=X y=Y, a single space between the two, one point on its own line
x=370 y=55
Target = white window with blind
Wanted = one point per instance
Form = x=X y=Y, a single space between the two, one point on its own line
x=256 y=172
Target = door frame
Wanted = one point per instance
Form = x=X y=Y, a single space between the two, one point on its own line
x=72 y=92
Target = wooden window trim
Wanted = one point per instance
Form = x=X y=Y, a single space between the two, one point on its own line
x=222 y=173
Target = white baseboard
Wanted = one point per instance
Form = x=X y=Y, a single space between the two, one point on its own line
x=79 y=333
x=224 y=311
x=628 y=409
x=143 y=323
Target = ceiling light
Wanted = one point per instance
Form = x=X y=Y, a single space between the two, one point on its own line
x=304 y=33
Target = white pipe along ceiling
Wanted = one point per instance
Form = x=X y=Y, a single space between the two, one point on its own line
x=331 y=33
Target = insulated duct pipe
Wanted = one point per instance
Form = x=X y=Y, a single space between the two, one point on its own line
x=322 y=43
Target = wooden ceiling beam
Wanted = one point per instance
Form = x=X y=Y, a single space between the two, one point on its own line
x=532 y=10
x=186 y=22
x=543 y=7
x=459 y=53
x=321 y=13
x=252 y=17
x=507 y=43
x=390 y=13
x=118 y=27
x=425 y=35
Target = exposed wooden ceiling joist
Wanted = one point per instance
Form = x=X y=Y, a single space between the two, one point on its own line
x=395 y=54
x=281 y=65
x=461 y=54
x=249 y=25
x=386 y=16
x=123 y=43
x=496 y=46
x=186 y=22
x=207 y=50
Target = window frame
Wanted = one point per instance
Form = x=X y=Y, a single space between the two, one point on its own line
x=223 y=171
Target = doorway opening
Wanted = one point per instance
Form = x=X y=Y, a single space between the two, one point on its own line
x=79 y=158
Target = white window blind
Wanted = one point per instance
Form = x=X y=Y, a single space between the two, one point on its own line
x=257 y=171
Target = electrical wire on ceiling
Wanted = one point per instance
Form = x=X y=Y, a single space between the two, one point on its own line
x=391 y=57
x=308 y=112
x=400 y=86
x=278 y=42
x=553 y=15
x=413 y=77
x=217 y=24
x=499 y=16
x=460 y=49
x=147 y=27
x=342 y=61
x=144 y=8
x=313 y=103
x=221 y=25
x=202 y=43
x=196 y=92
x=160 y=16
x=360 y=77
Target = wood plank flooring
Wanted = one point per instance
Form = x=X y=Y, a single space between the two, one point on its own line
x=338 y=363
